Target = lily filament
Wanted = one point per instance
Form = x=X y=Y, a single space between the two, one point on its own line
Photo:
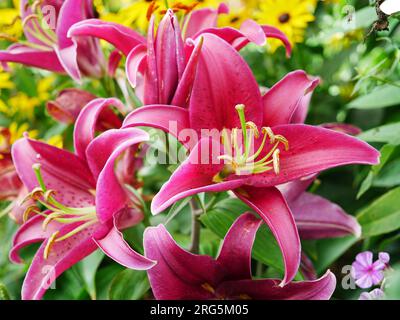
x=240 y=159
x=56 y=211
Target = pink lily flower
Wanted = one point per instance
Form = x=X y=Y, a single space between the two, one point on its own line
x=227 y=99
x=47 y=46
x=68 y=104
x=315 y=216
x=162 y=67
x=11 y=187
x=85 y=203
x=183 y=275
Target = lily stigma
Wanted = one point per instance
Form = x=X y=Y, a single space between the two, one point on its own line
x=239 y=158
x=56 y=211
x=35 y=25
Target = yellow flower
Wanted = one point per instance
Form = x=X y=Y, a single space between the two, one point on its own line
x=20 y=104
x=17 y=131
x=5 y=80
x=135 y=14
x=239 y=11
x=290 y=16
x=10 y=24
x=56 y=141
x=44 y=86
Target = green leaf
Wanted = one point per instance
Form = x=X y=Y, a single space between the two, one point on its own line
x=390 y=176
x=382 y=97
x=382 y=216
x=176 y=209
x=129 y=285
x=104 y=278
x=4 y=295
x=222 y=216
x=392 y=288
x=386 y=151
x=328 y=250
x=389 y=133
x=87 y=269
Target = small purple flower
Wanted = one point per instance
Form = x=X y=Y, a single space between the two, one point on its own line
x=368 y=273
x=376 y=294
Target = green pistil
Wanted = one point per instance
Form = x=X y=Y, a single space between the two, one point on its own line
x=36 y=167
x=240 y=110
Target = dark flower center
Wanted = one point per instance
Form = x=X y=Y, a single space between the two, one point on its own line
x=283 y=18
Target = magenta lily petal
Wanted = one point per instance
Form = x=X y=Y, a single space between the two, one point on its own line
x=62 y=171
x=31 y=232
x=294 y=189
x=318 y=218
x=171 y=119
x=89 y=118
x=272 y=208
x=151 y=80
x=102 y=148
x=307 y=268
x=312 y=150
x=215 y=74
x=202 y=19
x=250 y=31
x=72 y=11
x=123 y=38
x=178 y=273
x=113 y=63
x=321 y=289
x=102 y=155
x=62 y=256
x=169 y=58
x=343 y=127
x=68 y=104
x=135 y=63
x=25 y=10
x=235 y=254
x=114 y=246
x=182 y=275
x=47 y=60
x=184 y=89
x=272 y=32
x=279 y=106
x=193 y=176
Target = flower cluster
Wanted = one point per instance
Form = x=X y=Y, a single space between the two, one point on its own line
x=191 y=82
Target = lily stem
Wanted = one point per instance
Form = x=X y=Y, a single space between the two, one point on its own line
x=196 y=227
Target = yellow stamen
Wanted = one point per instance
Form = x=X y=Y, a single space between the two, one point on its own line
x=238 y=158
x=49 y=244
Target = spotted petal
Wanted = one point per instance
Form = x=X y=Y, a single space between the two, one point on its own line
x=218 y=88
x=62 y=171
x=312 y=150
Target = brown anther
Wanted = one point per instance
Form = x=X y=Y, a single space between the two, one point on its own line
x=5 y=36
x=28 y=211
x=206 y=286
x=36 y=194
x=48 y=195
x=49 y=244
x=153 y=6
